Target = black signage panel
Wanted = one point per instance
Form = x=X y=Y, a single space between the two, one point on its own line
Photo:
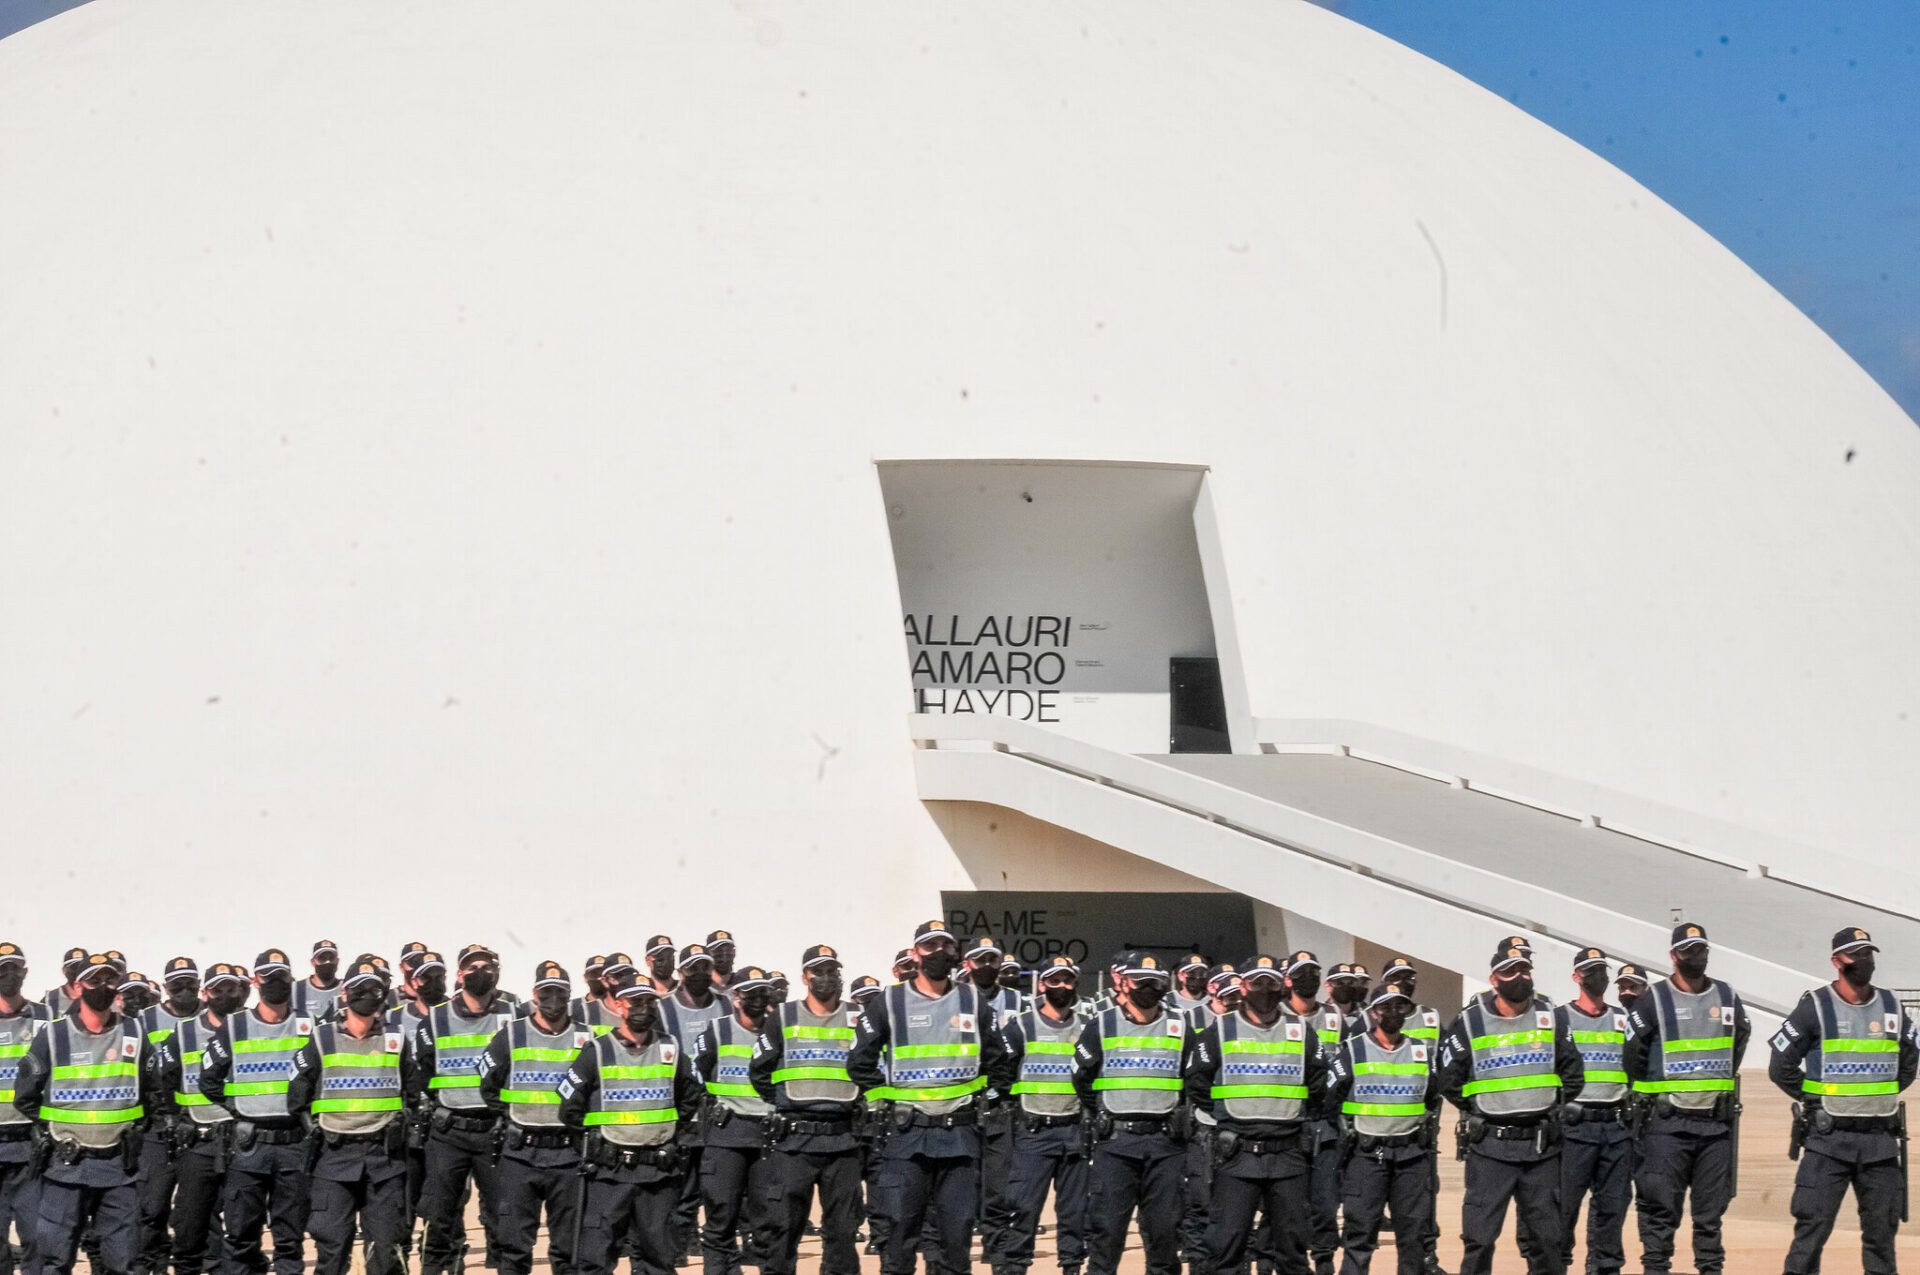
x=1090 y=926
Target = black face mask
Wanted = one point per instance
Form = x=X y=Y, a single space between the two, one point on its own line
x=136 y=999
x=1594 y=982
x=552 y=1002
x=1627 y=999
x=1263 y=997
x=431 y=987
x=366 y=998
x=661 y=966
x=779 y=993
x=276 y=988
x=1147 y=994
x=479 y=982
x=1515 y=991
x=1390 y=1019
x=325 y=967
x=641 y=1015
x=183 y=996
x=1195 y=982
x=937 y=965
x=1305 y=984
x=825 y=988
x=754 y=1003
x=1234 y=999
x=12 y=977
x=986 y=977
x=1061 y=997
x=1692 y=966
x=1345 y=994
x=723 y=962
x=1859 y=971
x=1009 y=978
x=595 y=985
x=697 y=980
x=228 y=998
x=98 y=998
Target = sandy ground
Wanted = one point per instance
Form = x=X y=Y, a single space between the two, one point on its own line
x=1757 y=1231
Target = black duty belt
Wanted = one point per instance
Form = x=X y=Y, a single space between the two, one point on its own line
x=15 y=1132
x=278 y=1137
x=333 y=1139
x=195 y=1131
x=1859 y=1124
x=1367 y=1142
x=962 y=1119
x=1271 y=1146
x=816 y=1128
x=543 y=1139
x=1139 y=1124
x=1034 y=1124
x=1515 y=1132
x=1580 y=1113
x=451 y=1119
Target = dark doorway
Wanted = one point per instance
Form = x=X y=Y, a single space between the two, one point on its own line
x=1199 y=717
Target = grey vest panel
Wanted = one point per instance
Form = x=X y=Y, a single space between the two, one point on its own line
x=1263 y=1058
x=1046 y=1064
x=652 y=1094
x=270 y=1067
x=809 y=1040
x=190 y=1043
x=16 y=1034
x=1512 y=1049
x=70 y=1046
x=1134 y=1072
x=537 y=1063
x=1702 y=1016
x=315 y=1003
x=1602 y=1057
x=344 y=1082
x=734 y=1044
x=1876 y=1021
x=687 y=1022
x=458 y=1042
x=1389 y=1089
x=950 y=1023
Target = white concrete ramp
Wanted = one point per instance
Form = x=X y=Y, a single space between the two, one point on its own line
x=1437 y=869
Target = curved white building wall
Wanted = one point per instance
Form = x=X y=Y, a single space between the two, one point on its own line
x=438 y=488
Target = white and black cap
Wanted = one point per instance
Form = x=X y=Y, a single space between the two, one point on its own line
x=1853 y=939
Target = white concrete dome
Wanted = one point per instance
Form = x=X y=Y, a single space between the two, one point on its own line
x=440 y=434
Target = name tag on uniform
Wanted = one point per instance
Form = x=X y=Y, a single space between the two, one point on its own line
x=1419 y=1053
x=965 y=1023
x=1544 y=1018
x=393 y=1042
x=919 y=1020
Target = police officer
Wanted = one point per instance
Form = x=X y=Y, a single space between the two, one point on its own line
x=200 y=1126
x=1423 y=1024
x=353 y=1083
x=684 y=1015
x=1046 y=1148
x=1347 y=992
x=1507 y=1065
x=982 y=968
x=1259 y=1072
x=1383 y=1080
x=157 y=1180
x=661 y=958
x=247 y=1066
x=423 y=985
x=60 y=999
x=731 y=1161
x=869 y=1129
x=316 y=995
x=1190 y=984
x=1629 y=985
x=1013 y=978
x=721 y=948
x=1685 y=1041
x=447 y=1047
x=137 y=995
x=631 y=1091
x=539 y=1158
x=1843 y=1056
x=778 y=988
x=1127 y=1068
x=1596 y=1155
x=1223 y=997
x=799 y=1066
x=590 y=981
x=1328 y=1023
x=88 y=1079
x=20 y=1021
x=926 y=1047
x=603 y=1011
x=905 y=965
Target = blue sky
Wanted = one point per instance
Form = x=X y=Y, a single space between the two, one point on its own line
x=1790 y=132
